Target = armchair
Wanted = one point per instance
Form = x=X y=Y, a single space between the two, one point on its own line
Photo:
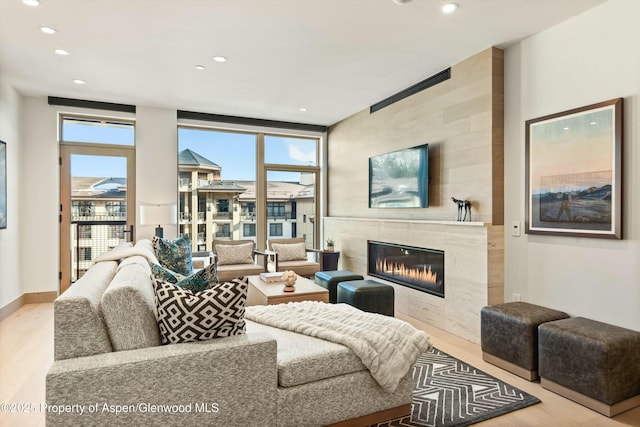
x=292 y=254
x=236 y=258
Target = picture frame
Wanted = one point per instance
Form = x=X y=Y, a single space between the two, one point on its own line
x=3 y=185
x=573 y=172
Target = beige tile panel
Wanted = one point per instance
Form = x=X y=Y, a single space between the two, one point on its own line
x=474 y=266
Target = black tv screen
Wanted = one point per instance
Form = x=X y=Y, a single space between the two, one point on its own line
x=400 y=179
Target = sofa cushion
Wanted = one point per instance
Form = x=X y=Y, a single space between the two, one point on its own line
x=185 y=316
x=129 y=309
x=79 y=327
x=235 y=254
x=303 y=359
x=198 y=281
x=174 y=254
x=290 y=251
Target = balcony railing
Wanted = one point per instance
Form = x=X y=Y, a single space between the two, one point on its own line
x=222 y=215
x=97 y=218
x=281 y=215
x=96 y=237
x=223 y=234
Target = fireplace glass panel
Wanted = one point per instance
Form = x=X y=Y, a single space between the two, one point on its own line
x=418 y=268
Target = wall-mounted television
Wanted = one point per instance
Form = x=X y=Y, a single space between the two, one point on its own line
x=400 y=179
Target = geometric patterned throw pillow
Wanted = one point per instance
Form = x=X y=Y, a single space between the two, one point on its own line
x=185 y=316
x=174 y=254
x=198 y=281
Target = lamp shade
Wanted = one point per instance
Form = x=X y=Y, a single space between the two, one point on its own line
x=158 y=214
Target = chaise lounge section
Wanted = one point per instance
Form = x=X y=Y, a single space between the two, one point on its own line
x=108 y=360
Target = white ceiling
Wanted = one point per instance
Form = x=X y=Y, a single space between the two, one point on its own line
x=333 y=57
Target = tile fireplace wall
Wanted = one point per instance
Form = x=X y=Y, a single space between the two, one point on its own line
x=474 y=266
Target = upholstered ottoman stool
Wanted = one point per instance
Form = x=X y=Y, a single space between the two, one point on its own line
x=367 y=295
x=330 y=279
x=592 y=363
x=509 y=335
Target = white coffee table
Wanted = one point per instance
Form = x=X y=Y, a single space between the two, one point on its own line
x=268 y=293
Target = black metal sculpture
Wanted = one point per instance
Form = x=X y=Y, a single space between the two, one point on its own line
x=463 y=204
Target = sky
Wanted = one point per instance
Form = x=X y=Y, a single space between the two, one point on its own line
x=234 y=152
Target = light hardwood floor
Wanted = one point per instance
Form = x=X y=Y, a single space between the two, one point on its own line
x=26 y=352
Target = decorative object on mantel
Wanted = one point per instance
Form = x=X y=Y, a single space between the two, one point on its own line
x=289 y=278
x=330 y=245
x=463 y=204
x=574 y=172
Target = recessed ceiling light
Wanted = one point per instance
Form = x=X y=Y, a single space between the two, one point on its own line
x=449 y=7
x=47 y=30
x=199 y=67
x=31 y=2
x=303 y=109
x=79 y=82
x=566 y=128
x=220 y=58
x=401 y=1
x=61 y=52
x=593 y=123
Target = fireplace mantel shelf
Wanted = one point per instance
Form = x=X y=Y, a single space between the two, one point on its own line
x=417 y=221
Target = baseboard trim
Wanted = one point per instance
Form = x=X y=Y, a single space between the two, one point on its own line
x=508 y=366
x=376 y=417
x=589 y=402
x=27 y=298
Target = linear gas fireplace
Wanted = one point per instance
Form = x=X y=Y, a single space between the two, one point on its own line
x=417 y=268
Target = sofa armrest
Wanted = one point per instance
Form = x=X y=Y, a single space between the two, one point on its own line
x=227 y=381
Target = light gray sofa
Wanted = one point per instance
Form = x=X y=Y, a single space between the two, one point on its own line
x=110 y=368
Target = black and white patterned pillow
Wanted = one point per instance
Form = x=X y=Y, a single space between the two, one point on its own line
x=186 y=316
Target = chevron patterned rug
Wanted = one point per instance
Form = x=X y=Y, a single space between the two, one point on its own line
x=449 y=392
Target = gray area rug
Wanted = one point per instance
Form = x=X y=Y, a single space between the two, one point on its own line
x=449 y=392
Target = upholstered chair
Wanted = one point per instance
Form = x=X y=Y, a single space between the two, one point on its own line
x=237 y=258
x=292 y=254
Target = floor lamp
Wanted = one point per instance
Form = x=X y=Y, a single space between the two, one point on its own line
x=158 y=214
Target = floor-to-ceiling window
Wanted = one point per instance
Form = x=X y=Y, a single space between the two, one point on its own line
x=97 y=182
x=246 y=185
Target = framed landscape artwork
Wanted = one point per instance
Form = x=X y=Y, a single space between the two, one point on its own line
x=573 y=172
x=3 y=185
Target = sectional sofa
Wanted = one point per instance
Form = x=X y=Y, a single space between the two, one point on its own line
x=110 y=368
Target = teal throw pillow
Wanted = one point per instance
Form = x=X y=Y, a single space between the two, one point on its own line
x=166 y=275
x=197 y=282
x=174 y=254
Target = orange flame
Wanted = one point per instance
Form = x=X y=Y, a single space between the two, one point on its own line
x=423 y=274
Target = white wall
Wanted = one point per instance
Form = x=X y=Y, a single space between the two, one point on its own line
x=590 y=58
x=156 y=178
x=10 y=124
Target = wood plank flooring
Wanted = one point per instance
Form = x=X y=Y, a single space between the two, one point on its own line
x=26 y=353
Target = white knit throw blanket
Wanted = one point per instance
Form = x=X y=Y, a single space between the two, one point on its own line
x=387 y=346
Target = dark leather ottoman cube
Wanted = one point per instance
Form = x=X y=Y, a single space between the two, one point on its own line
x=330 y=279
x=368 y=295
x=592 y=363
x=509 y=335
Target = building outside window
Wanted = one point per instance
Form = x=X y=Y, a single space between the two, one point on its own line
x=248 y=230
x=223 y=230
x=84 y=231
x=84 y=254
x=217 y=175
x=275 y=230
x=115 y=232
